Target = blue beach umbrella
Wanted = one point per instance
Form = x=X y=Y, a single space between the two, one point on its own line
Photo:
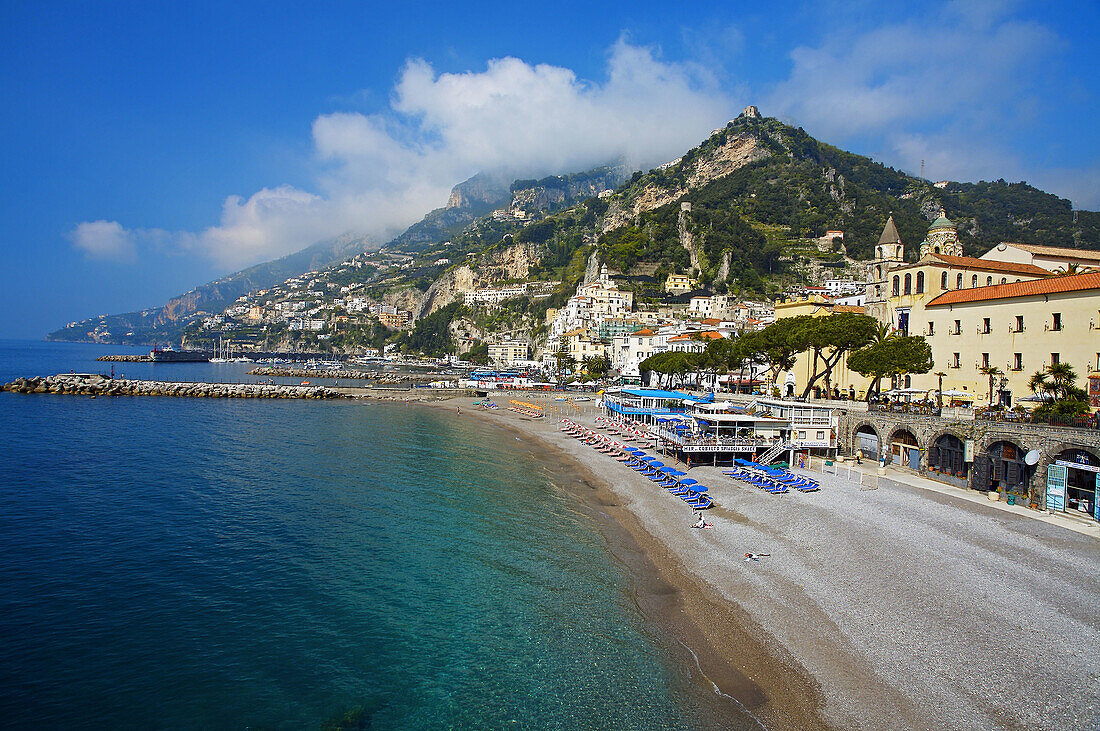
x=688 y=481
x=699 y=488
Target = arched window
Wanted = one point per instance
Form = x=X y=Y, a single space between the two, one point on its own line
x=943 y=281
x=974 y=281
x=959 y=282
x=988 y=281
x=1004 y=280
x=897 y=284
x=908 y=283
x=920 y=282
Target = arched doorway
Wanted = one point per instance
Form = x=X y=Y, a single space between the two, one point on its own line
x=904 y=449
x=1082 y=481
x=1002 y=468
x=867 y=441
x=946 y=456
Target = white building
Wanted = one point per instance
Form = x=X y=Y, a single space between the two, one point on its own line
x=508 y=353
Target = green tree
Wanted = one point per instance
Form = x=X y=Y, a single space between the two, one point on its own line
x=830 y=339
x=893 y=356
x=597 y=366
x=773 y=345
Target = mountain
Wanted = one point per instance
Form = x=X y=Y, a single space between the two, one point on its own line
x=164 y=324
x=469 y=200
x=745 y=212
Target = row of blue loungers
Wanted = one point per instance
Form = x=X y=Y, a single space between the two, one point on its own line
x=673 y=480
x=770 y=479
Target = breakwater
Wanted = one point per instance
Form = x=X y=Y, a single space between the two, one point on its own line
x=379 y=377
x=97 y=385
x=127 y=358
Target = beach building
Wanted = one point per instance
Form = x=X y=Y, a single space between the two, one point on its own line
x=767 y=430
x=645 y=404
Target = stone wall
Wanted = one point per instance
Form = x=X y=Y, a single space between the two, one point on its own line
x=1048 y=440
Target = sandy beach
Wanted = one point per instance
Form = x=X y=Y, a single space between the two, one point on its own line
x=877 y=609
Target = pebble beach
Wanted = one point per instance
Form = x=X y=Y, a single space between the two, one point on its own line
x=890 y=608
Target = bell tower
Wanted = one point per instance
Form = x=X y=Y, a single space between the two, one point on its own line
x=889 y=251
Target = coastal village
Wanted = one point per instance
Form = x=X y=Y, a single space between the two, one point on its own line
x=869 y=448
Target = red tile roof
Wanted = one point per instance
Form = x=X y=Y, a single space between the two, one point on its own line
x=970 y=262
x=707 y=335
x=1053 y=285
x=644 y=332
x=711 y=321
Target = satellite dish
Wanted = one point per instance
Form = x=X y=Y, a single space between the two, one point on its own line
x=1032 y=457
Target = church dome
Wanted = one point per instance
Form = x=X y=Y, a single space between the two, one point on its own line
x=942 y=222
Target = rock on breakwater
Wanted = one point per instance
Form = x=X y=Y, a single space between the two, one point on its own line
x=127 y=358
x=84 y=384
x=379 y=377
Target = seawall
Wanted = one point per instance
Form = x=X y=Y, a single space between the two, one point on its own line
x=83 y=384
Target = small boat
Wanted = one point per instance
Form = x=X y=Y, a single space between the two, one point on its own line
x=304 y=383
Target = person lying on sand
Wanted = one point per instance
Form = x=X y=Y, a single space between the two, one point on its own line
x=701 y=523
x=755 y=556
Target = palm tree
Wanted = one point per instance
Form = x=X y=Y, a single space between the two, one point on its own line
x=1062 y=377
x=939 y=393
x=1040 y=383
x=992 y=372
x=1067 y=269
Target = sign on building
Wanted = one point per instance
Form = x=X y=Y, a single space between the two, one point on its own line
x=1056 y=487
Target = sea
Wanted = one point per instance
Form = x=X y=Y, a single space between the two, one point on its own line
x=267 y=564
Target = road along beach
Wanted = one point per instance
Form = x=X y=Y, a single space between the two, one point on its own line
x=888 y=608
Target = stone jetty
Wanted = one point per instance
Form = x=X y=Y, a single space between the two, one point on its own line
x=127 y=358
x=85 y=384
x=379 y=377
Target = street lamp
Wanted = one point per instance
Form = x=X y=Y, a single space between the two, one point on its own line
x=1002 y=382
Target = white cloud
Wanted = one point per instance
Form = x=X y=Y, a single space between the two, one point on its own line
x=381 y=172
x=103 y=239
x=912 y=73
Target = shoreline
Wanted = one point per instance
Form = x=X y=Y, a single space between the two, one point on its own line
x=878 y=609
x=717 y=647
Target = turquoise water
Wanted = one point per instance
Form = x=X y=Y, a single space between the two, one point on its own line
x=187 y=563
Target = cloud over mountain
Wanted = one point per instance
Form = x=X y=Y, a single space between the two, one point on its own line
x=380 y=172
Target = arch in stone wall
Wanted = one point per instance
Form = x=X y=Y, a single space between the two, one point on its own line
x=901 y=445
x=869 y=428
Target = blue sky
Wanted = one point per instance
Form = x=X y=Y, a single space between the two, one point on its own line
x=150 y=147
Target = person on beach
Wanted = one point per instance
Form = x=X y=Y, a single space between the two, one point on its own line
x=859 y=456
x=755 y=556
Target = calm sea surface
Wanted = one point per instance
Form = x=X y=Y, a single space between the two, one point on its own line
x=185 y=563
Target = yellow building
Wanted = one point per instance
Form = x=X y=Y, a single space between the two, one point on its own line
x=897 y=291
x=583 y=343
x=1019 y=327
x=680 y=284
x=847 y=382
